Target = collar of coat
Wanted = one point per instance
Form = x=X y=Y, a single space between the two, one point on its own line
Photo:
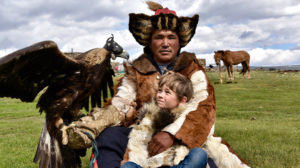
x=144 y=65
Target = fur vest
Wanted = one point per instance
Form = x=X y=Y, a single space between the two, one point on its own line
x=155 y=119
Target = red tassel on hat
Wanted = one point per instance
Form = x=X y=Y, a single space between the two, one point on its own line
x=165 y=11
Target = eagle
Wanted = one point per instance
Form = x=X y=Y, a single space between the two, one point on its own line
x=64 y=85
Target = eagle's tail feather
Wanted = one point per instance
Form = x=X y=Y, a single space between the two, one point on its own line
x=48 y=151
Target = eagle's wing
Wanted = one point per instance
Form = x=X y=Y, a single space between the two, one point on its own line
x=103 y=92
x=24 y=73
x=101 y=57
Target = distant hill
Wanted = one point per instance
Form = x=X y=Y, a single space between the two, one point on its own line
x=271 y=68
x=281 y=68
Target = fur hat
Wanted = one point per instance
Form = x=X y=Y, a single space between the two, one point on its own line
x=142 y=26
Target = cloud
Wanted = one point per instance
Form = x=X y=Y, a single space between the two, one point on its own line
x=269 y=29
x=261 y=56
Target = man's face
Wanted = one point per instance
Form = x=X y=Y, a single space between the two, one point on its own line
x=164 y=45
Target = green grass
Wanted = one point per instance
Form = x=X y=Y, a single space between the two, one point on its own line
x=272 y=99
x=271 y=140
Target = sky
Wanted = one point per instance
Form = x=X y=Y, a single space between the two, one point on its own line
x=268 y=30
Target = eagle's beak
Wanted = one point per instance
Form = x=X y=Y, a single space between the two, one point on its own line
x=124 y=55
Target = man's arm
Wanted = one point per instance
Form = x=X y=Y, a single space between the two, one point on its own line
x=160 y=142
x=120 y=111
x=125 y=96
x=196 y=122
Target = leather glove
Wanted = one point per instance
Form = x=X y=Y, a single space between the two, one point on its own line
x=79 y=133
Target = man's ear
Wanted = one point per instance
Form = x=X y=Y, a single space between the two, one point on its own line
x=183 y=100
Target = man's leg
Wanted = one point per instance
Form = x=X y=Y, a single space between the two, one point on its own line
x=211 y=163
x=112 y=143
x=197 y=158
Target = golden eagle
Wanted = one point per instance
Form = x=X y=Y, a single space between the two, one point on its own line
x=71 y=84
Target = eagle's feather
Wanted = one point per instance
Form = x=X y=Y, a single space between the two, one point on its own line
x=153 y=5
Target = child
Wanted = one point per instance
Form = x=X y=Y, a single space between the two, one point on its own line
x=174 y=91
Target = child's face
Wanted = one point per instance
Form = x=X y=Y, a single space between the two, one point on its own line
x=166 y=98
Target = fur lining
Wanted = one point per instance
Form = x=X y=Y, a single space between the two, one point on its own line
x=184 y=59
x=125 y=96
x=147 y=88
x=140 y=136
x=198 y=124
x=144 y=65
x=221 y=154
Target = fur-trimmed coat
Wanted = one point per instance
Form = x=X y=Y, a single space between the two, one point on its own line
x=155 y=119
x=140 y=84
x=195 y=126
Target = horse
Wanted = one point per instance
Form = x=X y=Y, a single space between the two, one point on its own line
x=232 y=58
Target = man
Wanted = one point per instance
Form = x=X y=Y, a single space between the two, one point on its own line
x=163 y=35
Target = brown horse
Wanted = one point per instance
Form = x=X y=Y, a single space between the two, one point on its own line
x=233 y=58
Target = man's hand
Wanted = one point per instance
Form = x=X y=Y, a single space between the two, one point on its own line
x=160 y=142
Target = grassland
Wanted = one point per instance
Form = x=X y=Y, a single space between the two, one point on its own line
x=258 y=117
